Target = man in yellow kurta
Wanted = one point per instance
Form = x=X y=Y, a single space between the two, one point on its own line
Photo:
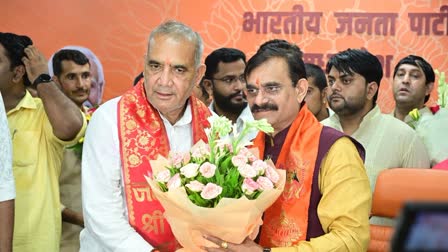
x=40 y=128
x=326 y=201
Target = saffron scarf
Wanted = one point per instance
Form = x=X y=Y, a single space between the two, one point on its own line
x=142 y=138
x=286 y=221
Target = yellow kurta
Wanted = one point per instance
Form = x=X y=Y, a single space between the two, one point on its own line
x=343 y=210
x=37 y=158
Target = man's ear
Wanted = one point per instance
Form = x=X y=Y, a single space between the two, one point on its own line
x=323 y=95
x=19 y=73
x=200 y=71
x=301 y=89
x=56 y=79
x=372 y=89
x=208 y=86
x=428 y=88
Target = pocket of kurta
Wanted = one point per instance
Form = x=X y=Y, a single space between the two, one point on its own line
x=25 y=148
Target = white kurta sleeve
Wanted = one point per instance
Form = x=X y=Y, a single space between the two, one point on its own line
x=7 y=186
x=105 y=214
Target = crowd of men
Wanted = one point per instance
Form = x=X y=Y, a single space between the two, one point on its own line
x=329 y=135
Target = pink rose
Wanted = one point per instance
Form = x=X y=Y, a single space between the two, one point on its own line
x=190 y=170
x=224 y=145
x=207 y=169
x=176 y=159
x=200 y=150
x=249 y=186
x=163 y=176
x=195 y=186
x=252 y=158
x=259 y=166
x=186 y=157
x=239 y=160
x=265 y=183
x=247 y=171
x=272 y=174
x=248 y=154
x=174 y=182
x=211 y=191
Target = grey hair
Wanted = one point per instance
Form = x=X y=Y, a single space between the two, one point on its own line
x=180 y=30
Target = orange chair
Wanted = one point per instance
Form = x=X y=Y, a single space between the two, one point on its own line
x=396 y=186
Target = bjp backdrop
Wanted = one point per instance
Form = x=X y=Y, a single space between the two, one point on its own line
x=117 y=31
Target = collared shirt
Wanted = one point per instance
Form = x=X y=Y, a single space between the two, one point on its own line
x=389 y=143
x=432 y=129
x=104 y=203
x=7 y=187
x=37 y=159
x=180 y=135
x=245 y=116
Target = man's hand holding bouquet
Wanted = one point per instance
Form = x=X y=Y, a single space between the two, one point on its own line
x=221 y=188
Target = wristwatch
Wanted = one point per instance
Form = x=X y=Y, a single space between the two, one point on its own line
x=266 y=249
x=42 y=79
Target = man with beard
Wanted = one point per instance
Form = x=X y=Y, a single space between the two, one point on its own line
x=72 y=72
x=354 y=78
x=225 y=77
x=413 y=82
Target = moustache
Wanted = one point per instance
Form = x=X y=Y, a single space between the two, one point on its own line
x=336 y=96
x=237 y=94
x=81 y=91
x=264 y=107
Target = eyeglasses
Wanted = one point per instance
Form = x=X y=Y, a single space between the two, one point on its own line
x=232 y=79
x=268 y=90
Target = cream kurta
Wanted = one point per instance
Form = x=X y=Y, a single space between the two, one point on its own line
x=389 y=143
x=70 y=192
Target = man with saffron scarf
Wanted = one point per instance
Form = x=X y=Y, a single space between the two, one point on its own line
x=326 y=201
x=156 y=116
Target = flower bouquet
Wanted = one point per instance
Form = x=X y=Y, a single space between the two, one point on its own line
x=221 y=188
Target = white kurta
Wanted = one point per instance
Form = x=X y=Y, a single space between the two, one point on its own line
x=103 y=198
x=7 y=186
x=432 y=128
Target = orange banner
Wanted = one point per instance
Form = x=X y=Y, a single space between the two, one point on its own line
x=117 y=31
